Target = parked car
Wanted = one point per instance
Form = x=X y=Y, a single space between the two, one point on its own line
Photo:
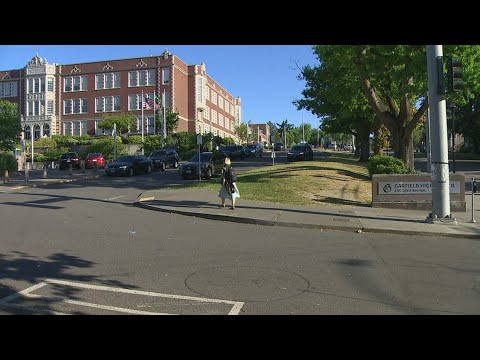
x=300 y=152
x=164 y=158
x=93 y=158
x=67 y=159
x=129 y=165
x=211 y=163
x=234 y=151
x=278 y=146
x=255 y=150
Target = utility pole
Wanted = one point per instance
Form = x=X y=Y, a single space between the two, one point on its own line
x=114 y=141
x=439 y=139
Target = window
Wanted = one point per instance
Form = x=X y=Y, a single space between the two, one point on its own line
x=8 y=89
x=107 y=103
x=167 y=99
x=67 y=106
x=214 y=97
x=206 y=113
x=214 y=116
x=141 y=78
x=84 y=106
x=49 y=107
x=227 y=123
x=36 y=85
x=36 y=105
x=220 y=119
x=107 y=81
x=227 y=106
x=68 y=84
x=199 y=89
x=99 y=104
x=50 y=84
x=220 y=102
x=75 y=83
x=207 y=94
x=165 y=76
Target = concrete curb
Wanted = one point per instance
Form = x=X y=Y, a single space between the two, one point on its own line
x=320 y=227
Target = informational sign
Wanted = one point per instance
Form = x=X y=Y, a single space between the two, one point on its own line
x=411 y=188
x=199 y=139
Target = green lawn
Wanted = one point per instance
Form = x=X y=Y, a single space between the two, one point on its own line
x=336 y=179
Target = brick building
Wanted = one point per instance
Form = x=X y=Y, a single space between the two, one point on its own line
x=72 y=99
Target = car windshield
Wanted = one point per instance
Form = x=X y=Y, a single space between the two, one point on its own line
x=127 y=158
x=298 y=148
x=69 y=155
x=94 y=154
x=158 y=153
x=204 y=157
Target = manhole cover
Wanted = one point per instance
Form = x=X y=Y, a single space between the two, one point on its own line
x=241 y=283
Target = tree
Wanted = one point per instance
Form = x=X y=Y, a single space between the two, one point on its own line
x=241 y=132
x=171 y=120
x=283 y=128
x=10 y=126
x=124 y=122
x=332 y=92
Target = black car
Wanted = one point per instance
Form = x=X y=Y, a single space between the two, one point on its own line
x=255 y=150
x=278 y=146
x=67 y=159
x=164 y=158
x=129 y=165
x=300 y=152
x=234 y=152
x=210 y=164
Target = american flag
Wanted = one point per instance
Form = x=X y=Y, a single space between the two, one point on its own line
x=148 y=104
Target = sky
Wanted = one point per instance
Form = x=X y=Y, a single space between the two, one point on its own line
x=264 y=76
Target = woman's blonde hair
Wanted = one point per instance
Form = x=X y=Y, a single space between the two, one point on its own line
x=227 y=161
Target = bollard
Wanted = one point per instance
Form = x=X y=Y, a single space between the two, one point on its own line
x=27 y=165
x=70 y=172
x=6 y=179
x=82 y=165
x=474 y=190
x=45 y=174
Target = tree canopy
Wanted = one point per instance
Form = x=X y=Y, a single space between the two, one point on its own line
x=10 y=126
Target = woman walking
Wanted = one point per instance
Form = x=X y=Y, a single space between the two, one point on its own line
x=229 y=187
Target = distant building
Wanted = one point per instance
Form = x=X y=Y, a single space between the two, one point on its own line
x=72 y=99
x=262 y=132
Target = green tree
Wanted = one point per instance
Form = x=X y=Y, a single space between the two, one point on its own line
x=124 y=121
x=241 y=132
x=9 y=125
x=171 y=119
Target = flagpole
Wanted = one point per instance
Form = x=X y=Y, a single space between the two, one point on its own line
x=164 y=118
x=142 y=124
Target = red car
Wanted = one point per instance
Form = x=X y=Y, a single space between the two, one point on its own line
x=93 y=158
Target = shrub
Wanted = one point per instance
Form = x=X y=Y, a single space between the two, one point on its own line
x=384 y=164
x=7 y=162
x=105 y=146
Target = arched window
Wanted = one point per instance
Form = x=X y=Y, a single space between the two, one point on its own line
x=37 y=133
x=28 y=133
x=46 y=130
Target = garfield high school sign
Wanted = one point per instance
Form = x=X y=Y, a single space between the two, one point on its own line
x=411 y=188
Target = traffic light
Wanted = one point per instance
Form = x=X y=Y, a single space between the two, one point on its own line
x=454 y=74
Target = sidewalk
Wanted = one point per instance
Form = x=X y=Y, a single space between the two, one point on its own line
x=354 y=219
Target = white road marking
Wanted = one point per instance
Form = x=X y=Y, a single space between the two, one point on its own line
x=23 y=292
x=113 y=308
x=113 y=198
x=237 y=305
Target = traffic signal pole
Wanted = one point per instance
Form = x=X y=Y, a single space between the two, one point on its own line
x=439 y=140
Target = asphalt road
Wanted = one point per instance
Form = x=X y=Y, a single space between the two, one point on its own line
x=82 y=248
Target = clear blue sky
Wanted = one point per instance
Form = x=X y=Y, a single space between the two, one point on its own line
x=265 y=76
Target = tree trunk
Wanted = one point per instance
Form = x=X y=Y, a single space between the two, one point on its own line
x=403 y=146
x=364 y=145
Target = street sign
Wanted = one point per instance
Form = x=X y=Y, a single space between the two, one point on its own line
x=199 y=139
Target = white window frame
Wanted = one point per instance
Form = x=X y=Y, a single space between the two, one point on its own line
x=165 y=76
x=214 y=97
x=82 y=83
x=220 y=102
x=137 y=77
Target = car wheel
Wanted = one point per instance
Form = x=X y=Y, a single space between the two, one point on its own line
x=130 y=172
x=208 y=173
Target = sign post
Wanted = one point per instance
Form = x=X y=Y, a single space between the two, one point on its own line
x=273 y=158
x=199 y=142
